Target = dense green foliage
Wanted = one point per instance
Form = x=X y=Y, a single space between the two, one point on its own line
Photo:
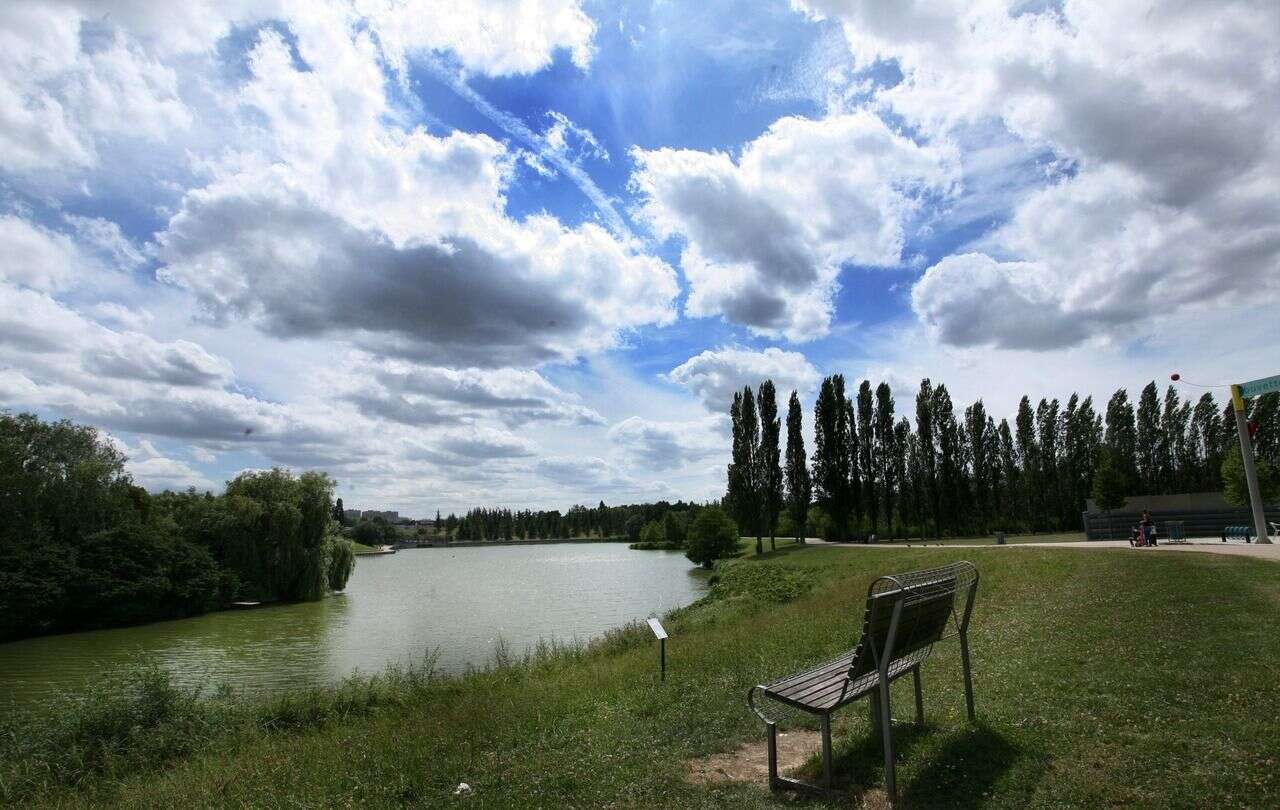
x=580 y=522
x=712 y=536
x=82 y=547
x=1236 y=487
x=1136 y=702
x=799 y=489
x=963 y=473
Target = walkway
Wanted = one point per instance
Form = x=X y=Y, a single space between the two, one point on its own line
x=1266 y=552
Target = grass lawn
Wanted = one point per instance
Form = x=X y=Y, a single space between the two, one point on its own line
x=1103 y=679
x=361 y=548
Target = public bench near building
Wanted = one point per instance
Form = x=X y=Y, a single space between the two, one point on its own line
x=905 y=615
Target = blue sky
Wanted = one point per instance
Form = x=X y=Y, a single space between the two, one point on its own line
x=522 y=253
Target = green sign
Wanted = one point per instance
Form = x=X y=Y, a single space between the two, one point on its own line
x=1255 y=388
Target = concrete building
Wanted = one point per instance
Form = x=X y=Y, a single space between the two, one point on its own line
x=387 y=515
x=351 y=516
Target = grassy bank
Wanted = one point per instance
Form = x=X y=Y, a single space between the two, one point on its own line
x=1102 y=679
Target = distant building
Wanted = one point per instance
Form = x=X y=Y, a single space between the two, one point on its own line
x=388 y=515
x=351 y=515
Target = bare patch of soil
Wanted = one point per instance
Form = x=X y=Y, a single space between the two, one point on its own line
x=750 y=762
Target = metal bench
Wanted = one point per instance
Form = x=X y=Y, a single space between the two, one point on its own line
x=905 y=615
x=1237 y=531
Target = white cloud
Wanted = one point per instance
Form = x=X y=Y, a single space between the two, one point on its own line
x=660 y=445
x=364 y=232
x=715 y=375
x=36 y=257
x=496 y=37
x=765 y=235
x=1165 y=112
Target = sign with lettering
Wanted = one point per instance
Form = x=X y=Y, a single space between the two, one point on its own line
x=656 y=627
x=1259 y=387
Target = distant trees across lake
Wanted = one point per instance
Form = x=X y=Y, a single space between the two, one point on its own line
x=82 y=547
x=950 y=472
x=648 y=522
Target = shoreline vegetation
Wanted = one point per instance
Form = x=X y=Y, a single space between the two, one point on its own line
x=83 y=548
x=590 y=724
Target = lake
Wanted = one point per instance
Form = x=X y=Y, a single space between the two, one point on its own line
x=396 y=609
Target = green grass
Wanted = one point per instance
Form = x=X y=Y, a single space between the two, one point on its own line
x=361 y=548
x=1009 y=539
x=1106 y=679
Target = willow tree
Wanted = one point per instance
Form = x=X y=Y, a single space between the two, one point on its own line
x=280 y=544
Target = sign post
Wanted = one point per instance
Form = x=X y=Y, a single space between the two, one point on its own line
x=1238 y=393
x=660 y=634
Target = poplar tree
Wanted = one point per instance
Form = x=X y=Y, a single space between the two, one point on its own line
x=1028 y=462
x=1148 y=436
x=928 y=456
x=901 y=472
x=1047 y=433
x=799 y=487
x=981 y=457
x=832 y=469
x=885 y=450
x=950 y=483
x=866 y=454
x=1121 y=438
x=769 y=474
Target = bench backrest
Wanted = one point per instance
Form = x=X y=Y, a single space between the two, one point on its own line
x=926 y=602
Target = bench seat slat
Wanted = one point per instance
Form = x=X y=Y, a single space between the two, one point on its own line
x=829 y=687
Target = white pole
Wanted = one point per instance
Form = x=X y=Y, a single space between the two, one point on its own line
x=1250 y=468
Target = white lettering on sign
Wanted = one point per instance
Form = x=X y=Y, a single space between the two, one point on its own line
x=656 y=627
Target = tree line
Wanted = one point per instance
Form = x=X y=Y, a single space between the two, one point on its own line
x=82 y=546
x=940 y=471
x=579 y=522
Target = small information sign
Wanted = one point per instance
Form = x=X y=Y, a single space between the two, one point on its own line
x=656 y=627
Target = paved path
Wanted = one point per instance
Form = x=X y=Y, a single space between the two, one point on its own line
x=1266 y=552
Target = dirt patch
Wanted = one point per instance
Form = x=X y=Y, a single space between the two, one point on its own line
x=750 y=763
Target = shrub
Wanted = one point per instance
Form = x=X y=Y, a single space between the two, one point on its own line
x=712 y=536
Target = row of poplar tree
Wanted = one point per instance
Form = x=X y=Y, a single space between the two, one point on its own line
x=949 y=473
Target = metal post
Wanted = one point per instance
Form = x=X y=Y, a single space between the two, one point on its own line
x=663 y=642
x=773 y=754
x=919 y=696
x=1250 y=467
x=968 y=677
x=826 y=750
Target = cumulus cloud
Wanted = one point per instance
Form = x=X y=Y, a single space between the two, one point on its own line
x=433 y=393
x=1165 y=113
x=36 y=257
x=660 y=445
x=716 y=374
x=427 y=267
x=765 y=235
x=496 y=37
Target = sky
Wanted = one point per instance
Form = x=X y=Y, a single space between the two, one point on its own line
x=522 y=252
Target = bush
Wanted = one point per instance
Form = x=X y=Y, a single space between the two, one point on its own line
x=712 y=536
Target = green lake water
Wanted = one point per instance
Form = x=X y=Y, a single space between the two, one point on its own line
x=396 y=609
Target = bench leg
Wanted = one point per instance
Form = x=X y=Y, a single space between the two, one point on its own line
x=826 y=751
x=968 y=676
x=886 y=731
x=773 y=754
x=915 y=676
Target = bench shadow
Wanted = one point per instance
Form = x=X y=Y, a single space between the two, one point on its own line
x=964 y=772
x=960 y=774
